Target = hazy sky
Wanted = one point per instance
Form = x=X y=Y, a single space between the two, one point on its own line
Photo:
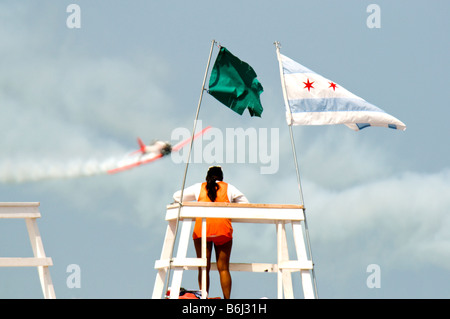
x=73 y=99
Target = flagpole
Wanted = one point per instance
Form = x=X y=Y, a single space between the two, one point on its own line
x=283 y=86
x=187 y=162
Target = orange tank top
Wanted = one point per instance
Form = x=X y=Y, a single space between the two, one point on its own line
x=214 y=226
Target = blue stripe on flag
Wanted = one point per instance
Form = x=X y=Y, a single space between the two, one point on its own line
x=331 y=105
x=290 y=67
x=362 y=125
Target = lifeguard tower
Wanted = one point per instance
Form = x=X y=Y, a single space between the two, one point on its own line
x=278 y=215
x=30 y=212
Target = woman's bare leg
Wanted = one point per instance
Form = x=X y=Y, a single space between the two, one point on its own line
x=223 y=253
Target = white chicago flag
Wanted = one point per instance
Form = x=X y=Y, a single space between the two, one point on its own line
x=312 y=99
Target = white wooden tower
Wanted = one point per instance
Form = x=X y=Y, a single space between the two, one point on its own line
x=30 y=212
x=278 y=215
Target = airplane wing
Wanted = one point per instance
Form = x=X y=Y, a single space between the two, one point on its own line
x=183 y=143
x=134 y=162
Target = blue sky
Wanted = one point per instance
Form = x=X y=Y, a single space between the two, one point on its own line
x=74 y=96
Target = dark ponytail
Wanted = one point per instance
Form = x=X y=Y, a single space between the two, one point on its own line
x=214 y=174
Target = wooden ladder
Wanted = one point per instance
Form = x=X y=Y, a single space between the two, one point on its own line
x=30 y=212
x=280 y=215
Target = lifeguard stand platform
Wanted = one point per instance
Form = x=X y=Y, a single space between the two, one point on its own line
x=279 y=215
x=30 y=212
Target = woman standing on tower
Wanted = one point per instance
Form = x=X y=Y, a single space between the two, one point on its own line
x=219 y=230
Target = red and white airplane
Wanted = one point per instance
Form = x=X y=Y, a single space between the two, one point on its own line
x=150 y=153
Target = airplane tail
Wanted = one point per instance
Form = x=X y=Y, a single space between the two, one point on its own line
x=141 y=147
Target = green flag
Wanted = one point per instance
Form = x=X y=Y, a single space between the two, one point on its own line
x=234 y=83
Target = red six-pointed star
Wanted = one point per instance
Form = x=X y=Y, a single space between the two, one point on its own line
x=308 y=85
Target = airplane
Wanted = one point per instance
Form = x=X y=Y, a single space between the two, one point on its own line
x=150 y=153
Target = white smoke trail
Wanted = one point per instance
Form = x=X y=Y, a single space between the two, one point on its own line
x=22 y=171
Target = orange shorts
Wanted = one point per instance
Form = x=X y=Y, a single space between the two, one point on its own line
x=219 y=240
x=218 y=230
